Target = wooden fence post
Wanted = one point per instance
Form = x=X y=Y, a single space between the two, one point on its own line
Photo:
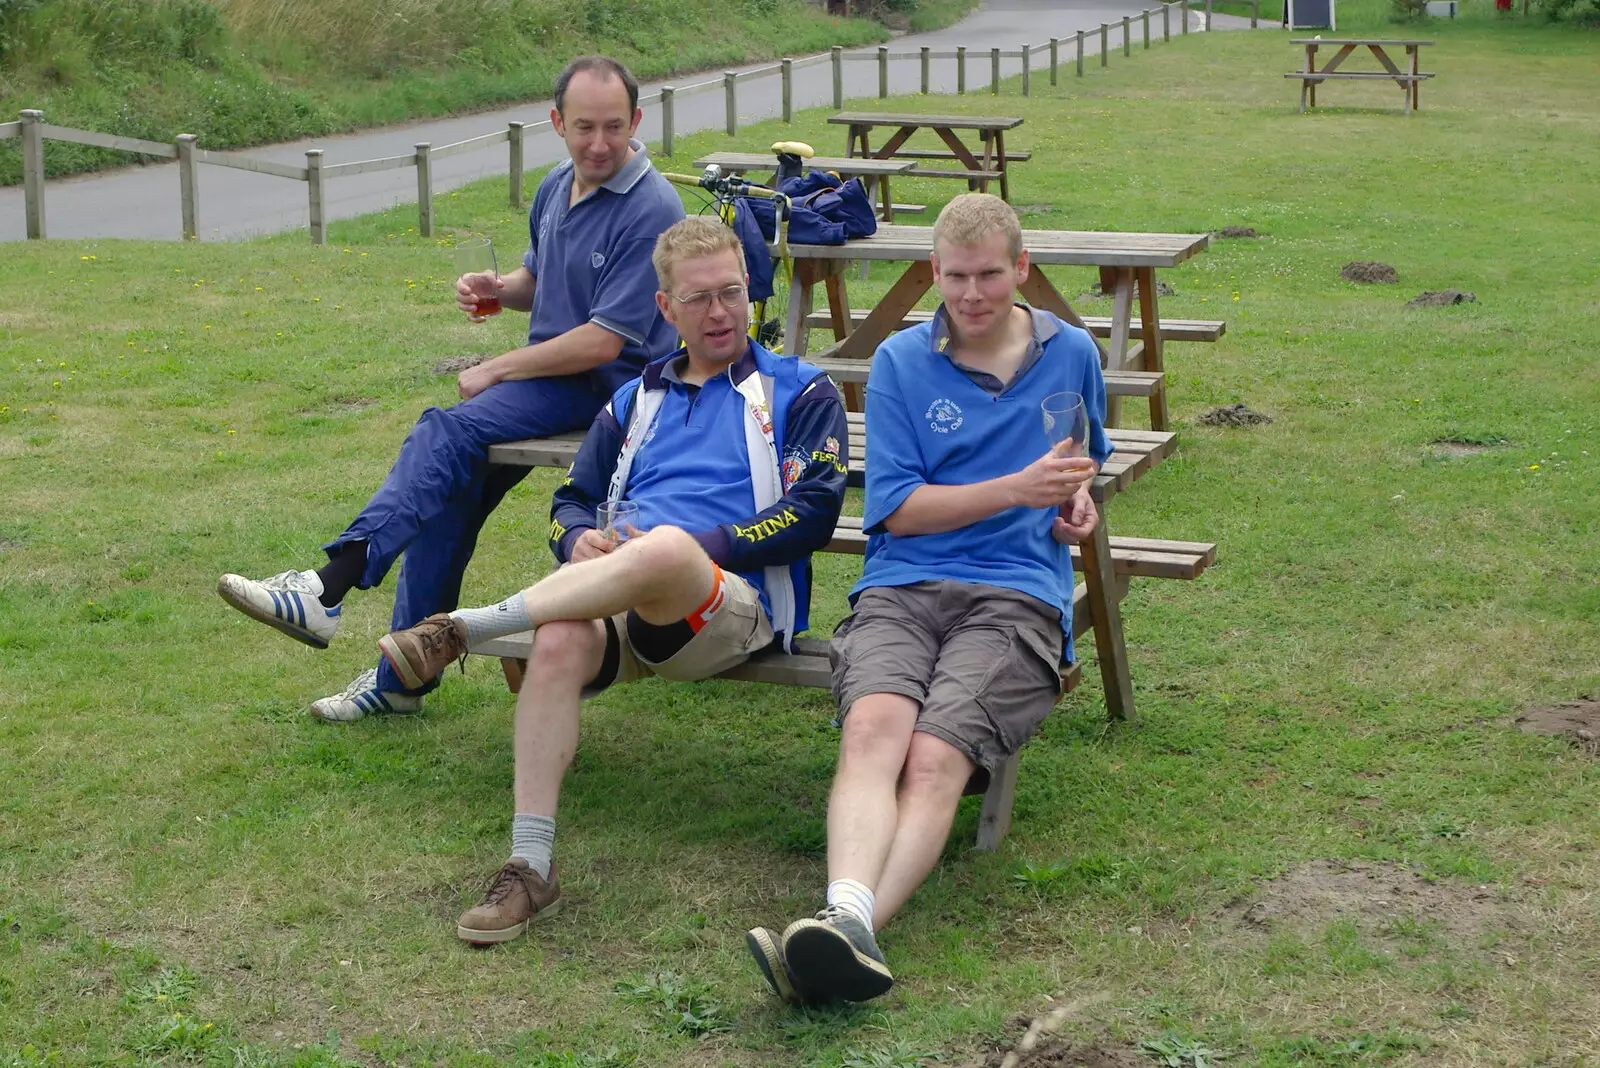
x=1208 y=16
x=1255 y=12
x=1127 y=47
x=883 y=71
x=1144 y=17
x=1055 y=58
x=425 y=188
x=961 y=69
x=314 y=193
x=1105 y=43
x=925 y=58
x=33 y=173
x=1027 y=62
x=787 y=73
x=666 y=119
x=838 y=76
x=1080 y=53
x=994 y=71
x=1166 y=21
x=188 y=190
x=514 y=139
x=730 y=101
x=1183 y=12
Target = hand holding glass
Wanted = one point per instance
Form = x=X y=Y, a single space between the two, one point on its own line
x=1066 y=420
x=618 y=520
x=475 y=255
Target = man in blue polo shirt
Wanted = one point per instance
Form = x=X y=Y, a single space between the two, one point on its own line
x=735 y=459
x=963 y=615
x=587 y=282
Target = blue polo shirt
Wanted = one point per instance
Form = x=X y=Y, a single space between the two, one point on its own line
x=933 y=422
x=693 y=467
x=592 y=262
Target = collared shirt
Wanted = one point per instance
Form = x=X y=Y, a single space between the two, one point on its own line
x=1044 y=328
x=591 y=261
x=933 y=422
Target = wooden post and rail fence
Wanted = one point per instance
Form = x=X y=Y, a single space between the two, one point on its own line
x=34 y=131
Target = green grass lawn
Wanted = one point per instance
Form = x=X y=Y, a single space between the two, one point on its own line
x=191 y=870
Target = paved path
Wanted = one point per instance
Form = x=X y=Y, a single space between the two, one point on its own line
x=142 y=201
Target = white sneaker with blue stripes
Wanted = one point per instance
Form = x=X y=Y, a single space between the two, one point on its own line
x=363 y=698
x=287 y=602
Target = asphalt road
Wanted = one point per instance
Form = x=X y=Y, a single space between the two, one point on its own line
x=142 y=201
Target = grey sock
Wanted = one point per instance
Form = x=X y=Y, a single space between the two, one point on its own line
x=510 y=616
x=533 y=838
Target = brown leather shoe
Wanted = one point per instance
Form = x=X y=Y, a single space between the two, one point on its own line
x=516 y=896
x=419 y=655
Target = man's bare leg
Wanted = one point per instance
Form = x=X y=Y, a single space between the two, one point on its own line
x=566 y=656
x=930 y=789
x=862 y=807
x=662 y=575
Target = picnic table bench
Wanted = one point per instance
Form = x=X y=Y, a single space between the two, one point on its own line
x=1408 y=79
x=1107 y=565
x=977 y=166
x=870 y=171
x=1127 y=264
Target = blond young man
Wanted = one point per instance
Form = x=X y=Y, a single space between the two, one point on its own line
x=962 y=618
x=736 y=459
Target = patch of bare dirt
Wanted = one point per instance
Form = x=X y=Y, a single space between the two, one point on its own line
x=1576 y=721
x=1455 y=448
x=454 y=365
x=1239 y=414
x=1387 y=903
x=1060 y=1054
x=1162 y=290
x=1441 y=298
x=1033 y=209
x=1236 y=231
x=1369 y=271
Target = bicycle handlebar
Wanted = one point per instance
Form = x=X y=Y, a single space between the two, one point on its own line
x=723 y=185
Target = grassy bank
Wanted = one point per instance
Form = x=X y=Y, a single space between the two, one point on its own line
x=192 y=871
x=246 y=72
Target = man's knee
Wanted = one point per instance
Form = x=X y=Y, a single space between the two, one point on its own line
x=667 y=550
x=877 y=727
x=567 y=651
x=934 y=766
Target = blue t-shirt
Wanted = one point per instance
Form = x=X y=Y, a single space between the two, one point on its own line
x=592 y=262
x=678 y=479
x=930 y=423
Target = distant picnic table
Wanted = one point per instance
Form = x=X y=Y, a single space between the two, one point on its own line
x=870 y=171
x=1408 y=78
x=977 y=166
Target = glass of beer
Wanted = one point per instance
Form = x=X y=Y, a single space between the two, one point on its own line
x=618 y=520
x=1066 y=418
x=475 y=255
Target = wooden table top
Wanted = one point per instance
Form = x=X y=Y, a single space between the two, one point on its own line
x=1089 y=248
x=949 y=122
x=1352 y=41
x=754 y=161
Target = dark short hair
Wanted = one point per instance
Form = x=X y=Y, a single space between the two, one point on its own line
x=603 y=66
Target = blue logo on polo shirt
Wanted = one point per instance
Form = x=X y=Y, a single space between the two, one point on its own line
x=944 y=415
x=597 y=259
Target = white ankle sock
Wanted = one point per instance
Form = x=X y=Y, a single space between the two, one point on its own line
x=853 y=897
x=510 y=616
x=533 y=838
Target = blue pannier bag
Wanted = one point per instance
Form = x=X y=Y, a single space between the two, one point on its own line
x=757 y=264
x=825 y=211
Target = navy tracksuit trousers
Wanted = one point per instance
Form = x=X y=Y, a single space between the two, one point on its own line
x=442 y=488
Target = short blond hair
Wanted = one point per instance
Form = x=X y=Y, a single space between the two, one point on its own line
x=690 y=239
x=970 y=218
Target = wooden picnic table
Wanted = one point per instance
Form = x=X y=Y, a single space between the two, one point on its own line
x=1408 y=78
x=870 y=171
x=1127 y=263
x=977 y=167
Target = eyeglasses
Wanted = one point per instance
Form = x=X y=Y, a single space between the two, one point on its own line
x=731 y=297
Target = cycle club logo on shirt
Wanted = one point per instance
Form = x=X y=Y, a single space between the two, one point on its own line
x=944 y=415
x=597 y=259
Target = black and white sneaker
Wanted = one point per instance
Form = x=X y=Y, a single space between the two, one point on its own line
x=835 y=957
x=767 y=949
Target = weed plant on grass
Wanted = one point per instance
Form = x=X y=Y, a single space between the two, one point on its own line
x=180 y=846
